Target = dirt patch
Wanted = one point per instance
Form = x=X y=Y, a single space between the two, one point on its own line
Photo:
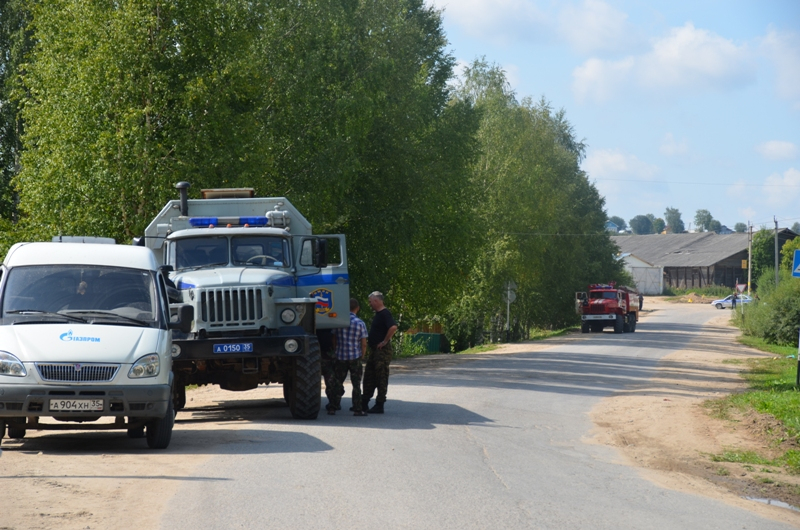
x=665 y=427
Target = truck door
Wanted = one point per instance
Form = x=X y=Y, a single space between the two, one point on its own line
x=330 y=285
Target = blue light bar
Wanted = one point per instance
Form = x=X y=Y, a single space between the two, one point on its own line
x=254 y=221
x=203 y=221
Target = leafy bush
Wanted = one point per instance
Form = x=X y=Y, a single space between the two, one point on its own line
x=775 y=314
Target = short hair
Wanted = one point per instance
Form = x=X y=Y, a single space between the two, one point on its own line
x=376 y=294
x=354 y=304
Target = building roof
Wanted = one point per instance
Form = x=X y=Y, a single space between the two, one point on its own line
x=683 y=250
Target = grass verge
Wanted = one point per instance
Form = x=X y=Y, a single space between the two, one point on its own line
x=773 y=392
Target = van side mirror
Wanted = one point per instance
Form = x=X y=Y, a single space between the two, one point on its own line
x=321 y=255
x=185 y=318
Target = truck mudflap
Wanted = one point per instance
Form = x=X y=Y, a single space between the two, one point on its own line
x=223 y=347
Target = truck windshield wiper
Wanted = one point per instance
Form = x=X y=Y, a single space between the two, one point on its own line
x=39 y=312
x=110 y=314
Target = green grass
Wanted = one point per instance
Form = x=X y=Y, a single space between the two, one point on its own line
x=539 y=334
x=763 y=345
x=711 y=291
x=481 y=348
x=772 y=391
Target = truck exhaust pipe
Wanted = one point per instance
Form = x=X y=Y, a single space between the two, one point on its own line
x=183 y=187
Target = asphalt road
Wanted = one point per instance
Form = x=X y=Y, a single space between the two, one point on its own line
x=492 y=442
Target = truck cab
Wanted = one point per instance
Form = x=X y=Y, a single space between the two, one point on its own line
x=606 y=305
x=261 y=284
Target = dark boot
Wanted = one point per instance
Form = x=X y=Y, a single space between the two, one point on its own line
x=377 y=408
x=364 y=403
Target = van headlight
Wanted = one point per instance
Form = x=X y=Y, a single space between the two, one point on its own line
x=10 y=365
x=147 y=366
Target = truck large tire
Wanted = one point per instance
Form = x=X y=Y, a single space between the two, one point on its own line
x=626 y=324
x=633 y=323
x=159 y=432
x=584 y=327
x=305 y=385
x=2 y=429
x=618 y=324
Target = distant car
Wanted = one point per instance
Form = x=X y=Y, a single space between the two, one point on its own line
x=728 y=301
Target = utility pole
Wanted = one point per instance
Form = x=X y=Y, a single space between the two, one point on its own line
x=776 y=251
x=749 y=257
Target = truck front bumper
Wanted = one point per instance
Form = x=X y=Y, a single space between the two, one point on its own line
x=232 y=347
x=139 y=401
x=599 y=317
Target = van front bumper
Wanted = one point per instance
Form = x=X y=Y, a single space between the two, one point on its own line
x=140 y=401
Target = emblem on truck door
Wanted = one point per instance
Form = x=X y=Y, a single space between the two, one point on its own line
x=324 y=300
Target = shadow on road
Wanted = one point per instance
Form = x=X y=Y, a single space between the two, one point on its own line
x=215 y=440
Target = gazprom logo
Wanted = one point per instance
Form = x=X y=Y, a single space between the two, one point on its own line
x=69 y=337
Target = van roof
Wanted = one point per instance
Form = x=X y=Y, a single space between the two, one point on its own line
x=128 y=256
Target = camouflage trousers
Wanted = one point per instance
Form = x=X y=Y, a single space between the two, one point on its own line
x=376 y=372
x=333 y=387
x=356 y=369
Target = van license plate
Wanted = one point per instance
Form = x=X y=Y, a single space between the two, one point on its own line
x=244 y=347
x=80 y=405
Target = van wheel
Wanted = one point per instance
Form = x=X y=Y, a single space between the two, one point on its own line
x=135 y=432
x=159 y=432
x=17 y=433
x=303 y=393
x=179 y=397
x=618 y=324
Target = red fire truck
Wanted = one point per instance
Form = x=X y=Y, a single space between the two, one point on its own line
x=608 y=306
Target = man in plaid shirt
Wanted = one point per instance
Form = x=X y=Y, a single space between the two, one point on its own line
x=351 y=345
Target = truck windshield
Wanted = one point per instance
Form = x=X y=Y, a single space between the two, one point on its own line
x=82 y=290
x=603 y=294
x=201 y=252
x=269 y=251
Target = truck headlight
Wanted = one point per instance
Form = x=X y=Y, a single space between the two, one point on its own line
x=147 y=366
x=10 y=365
x=287 y=315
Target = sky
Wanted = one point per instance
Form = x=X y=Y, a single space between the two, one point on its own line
x=683 y=104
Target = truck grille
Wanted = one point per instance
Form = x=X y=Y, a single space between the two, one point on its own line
x=77 y=372
x=235 y=308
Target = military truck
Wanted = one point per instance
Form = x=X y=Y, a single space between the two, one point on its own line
x=608 y=306
x=261 y=285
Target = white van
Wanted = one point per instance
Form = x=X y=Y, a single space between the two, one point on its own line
x=85 y=333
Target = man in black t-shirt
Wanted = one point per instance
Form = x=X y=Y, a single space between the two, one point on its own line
x=379 y=342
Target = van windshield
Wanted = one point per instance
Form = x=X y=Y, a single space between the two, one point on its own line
x=90 y=292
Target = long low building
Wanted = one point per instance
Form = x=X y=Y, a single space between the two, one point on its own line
x=695 y=260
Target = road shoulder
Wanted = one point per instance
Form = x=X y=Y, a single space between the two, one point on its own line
x=662 y=427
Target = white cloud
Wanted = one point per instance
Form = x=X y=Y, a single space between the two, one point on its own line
x=777 y=150
x=686 y=59
x=612 y=163
x=502 y=21
x=672 y=147
x=595 y=26
x=783 y=189
x=600 y=80
x=784 y=51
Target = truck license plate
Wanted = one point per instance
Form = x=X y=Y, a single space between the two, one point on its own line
x=91 y=405
x=244 y=347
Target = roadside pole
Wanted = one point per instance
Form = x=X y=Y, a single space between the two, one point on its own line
x=796 y=274
x=749 y=258
x=509 y=296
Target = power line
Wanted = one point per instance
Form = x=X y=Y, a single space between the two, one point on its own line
x=700 y=183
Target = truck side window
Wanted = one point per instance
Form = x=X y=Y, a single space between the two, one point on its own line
x=334 y=251
x=307 y=253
